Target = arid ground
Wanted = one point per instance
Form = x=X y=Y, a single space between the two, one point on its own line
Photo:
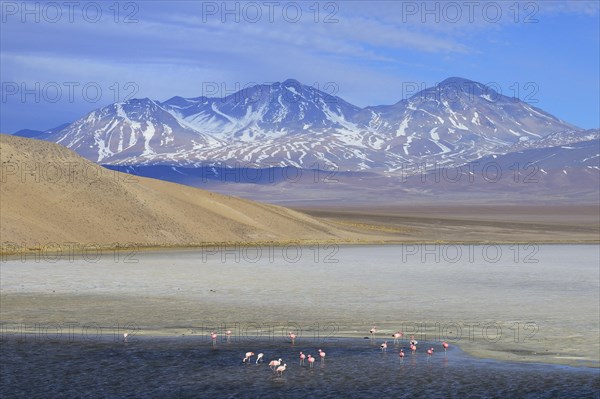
x=472 y=223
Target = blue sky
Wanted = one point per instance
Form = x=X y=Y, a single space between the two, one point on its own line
x=59 y=62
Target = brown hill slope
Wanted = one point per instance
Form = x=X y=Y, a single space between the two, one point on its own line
x=50 y=194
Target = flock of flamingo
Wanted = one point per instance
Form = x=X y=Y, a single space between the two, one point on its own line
x=398 y=336
x=278 y=368
x=276 y=365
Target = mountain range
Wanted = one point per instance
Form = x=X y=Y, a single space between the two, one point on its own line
x=289 y=124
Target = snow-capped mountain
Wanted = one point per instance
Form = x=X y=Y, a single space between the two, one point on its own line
x=136 y=128
x=264 y=112
x=458 y=119
x=291 y=124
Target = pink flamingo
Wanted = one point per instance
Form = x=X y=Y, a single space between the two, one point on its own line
x=383 y=346
x=302 y=357
x=247 y=357
x=402 y=354
x=281 y=369
x=259 y=357
x=372 y=331
x=125 y=335
x=228 y=334
x=311 y=361
x=413 y=348
x=322 y=354
x=213 y=337
x=397 y=336
x=413 y=341
x=274 y=363
x=292 y=337
x=429 y=352
x=445 y=345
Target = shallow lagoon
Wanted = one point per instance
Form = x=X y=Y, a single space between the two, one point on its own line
x=527 y=303
x=177 y=367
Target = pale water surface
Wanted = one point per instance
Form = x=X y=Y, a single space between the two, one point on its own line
x=538 y=304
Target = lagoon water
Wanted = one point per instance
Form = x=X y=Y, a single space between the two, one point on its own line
x=524 y=306
x=180 y=367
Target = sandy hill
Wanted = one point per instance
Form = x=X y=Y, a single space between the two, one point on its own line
x=50 y=194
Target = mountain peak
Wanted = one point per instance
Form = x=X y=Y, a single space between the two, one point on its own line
x=144 y=101
x=464 y=85
x=454 y=87
x=456 y=81
x=291 y=82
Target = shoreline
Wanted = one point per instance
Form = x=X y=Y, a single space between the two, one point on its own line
x=153 y=248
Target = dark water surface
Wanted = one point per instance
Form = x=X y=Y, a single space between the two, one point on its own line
x=190 y=367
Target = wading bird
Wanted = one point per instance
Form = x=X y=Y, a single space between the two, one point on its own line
x=259 y=357
x=397 y=336
x=311 y=361
x=413 y=341
x=302 y=357
x=383 y=346
x=292 y=337
x=281 y=369
x=401 y=354
x=445 y=345
x=274 y=363
x=247 y=357
x=322 y=354
x=372 y=331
